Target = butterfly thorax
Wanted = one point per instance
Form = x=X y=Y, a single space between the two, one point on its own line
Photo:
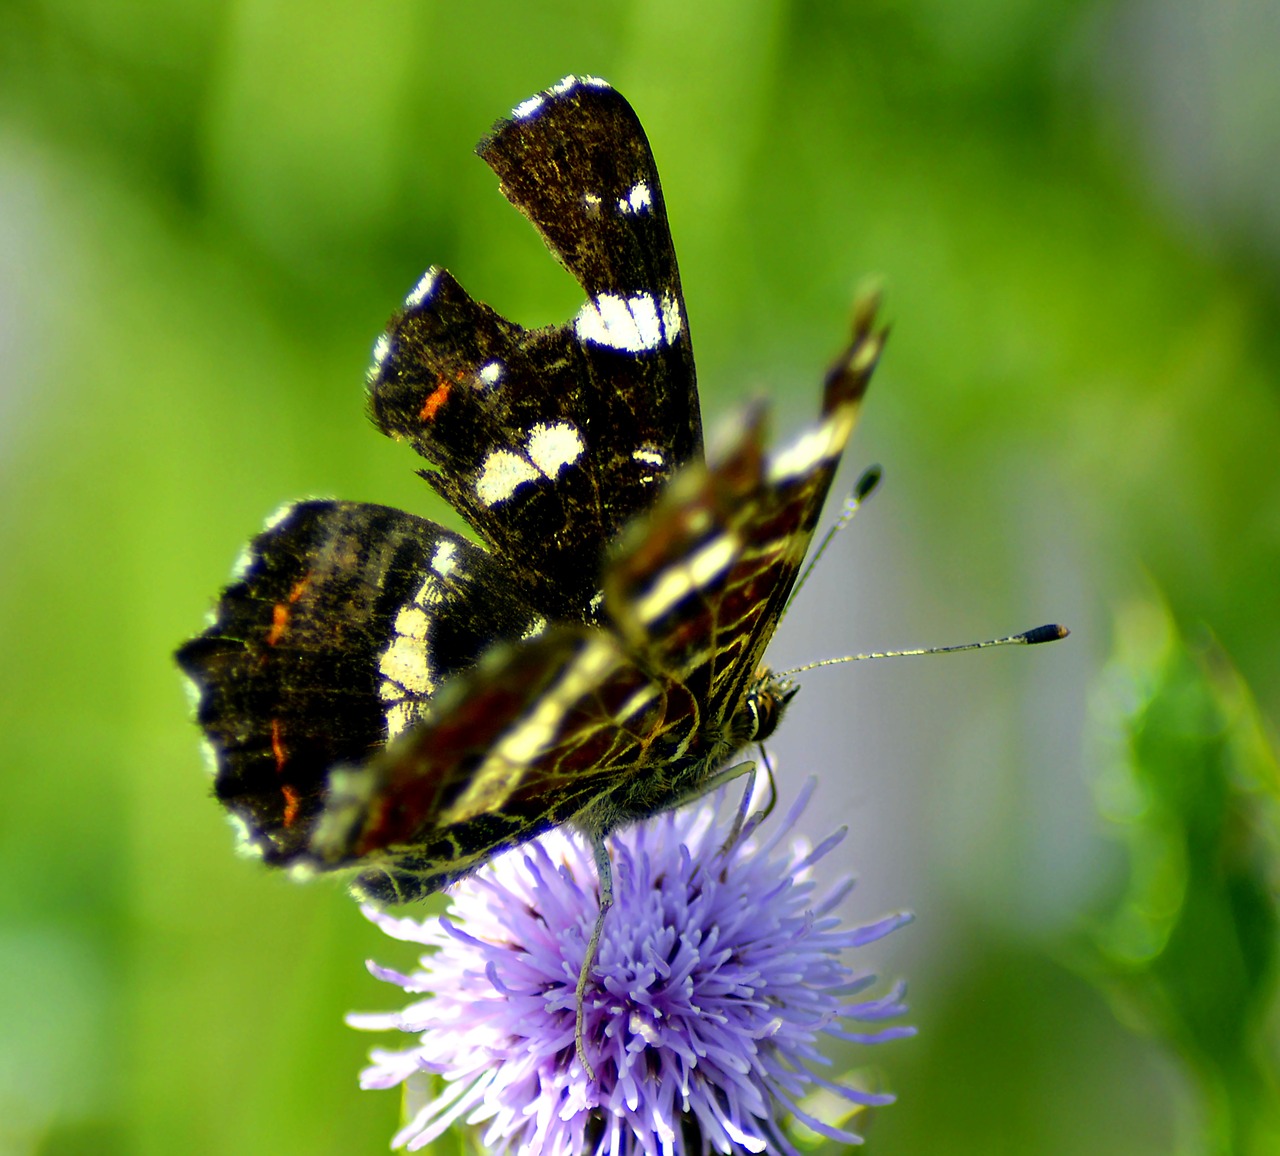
x=682 y=775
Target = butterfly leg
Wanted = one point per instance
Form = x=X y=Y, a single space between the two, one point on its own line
x=604 y=872
x=740 y=819
x=744 y=806
x=720 y=779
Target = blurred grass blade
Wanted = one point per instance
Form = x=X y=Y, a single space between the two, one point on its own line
x=1189 y=952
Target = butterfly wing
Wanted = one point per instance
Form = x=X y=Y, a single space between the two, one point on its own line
x=343 y=620
x=599 y=726
x=351 y=625
x=346 y=618
x=698 y=585
x=528 y=739
x=548 y=442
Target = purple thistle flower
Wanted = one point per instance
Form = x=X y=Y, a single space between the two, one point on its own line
x=717 y=973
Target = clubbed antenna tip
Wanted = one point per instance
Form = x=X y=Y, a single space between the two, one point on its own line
x=1050 y=633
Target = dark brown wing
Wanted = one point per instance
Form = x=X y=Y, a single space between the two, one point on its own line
x=549 y=442
x=581 y=721
x=535 y=734
x=343 y=620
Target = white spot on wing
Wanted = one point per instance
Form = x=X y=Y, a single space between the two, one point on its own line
x=650 y=457
x=247 y=844
x=445 y=560
x=713 y=559
x=412 y=622
x=672 y=322
x=403 y=715
x=549 y=447
x=527 y=108
x=429 y=593
x=243 y=562
x=273 y=520
x=824 y=443
x=631 y=324
x=536 y=627
x=502 y=473
x=569 y=83
x=552 y=447
x=491 y=373
x=381 y=351
x=422 y=290
x=638 y=200
x=636 y=703
x=591 y=201
x=405 y=664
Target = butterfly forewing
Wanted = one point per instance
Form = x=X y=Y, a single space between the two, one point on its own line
x=577 y=163
x=548 y=442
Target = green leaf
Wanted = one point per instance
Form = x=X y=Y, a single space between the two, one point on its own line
x=1189 y=952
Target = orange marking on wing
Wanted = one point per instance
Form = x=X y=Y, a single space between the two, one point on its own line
x=279 y=623
x=435 y=400
x=291 y=803
x=299 y=586
x=280 y=611
x=277 y=746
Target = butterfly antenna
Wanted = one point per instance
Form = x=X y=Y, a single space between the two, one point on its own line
x=1049 y=633
x=852 y=504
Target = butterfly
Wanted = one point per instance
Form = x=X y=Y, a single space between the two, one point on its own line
x=386 y=695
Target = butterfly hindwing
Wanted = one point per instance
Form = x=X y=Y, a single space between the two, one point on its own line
x=343 y=620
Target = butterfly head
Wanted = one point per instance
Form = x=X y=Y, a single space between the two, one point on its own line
x=762 y=706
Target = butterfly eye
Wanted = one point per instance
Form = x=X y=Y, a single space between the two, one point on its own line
x=763 y=707
x=764 y=720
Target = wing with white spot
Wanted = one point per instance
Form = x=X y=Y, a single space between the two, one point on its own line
x=532 y=737
x=698 y=585
x=548 y=442
x=341 y=624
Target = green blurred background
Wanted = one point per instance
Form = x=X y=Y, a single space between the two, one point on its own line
x=207 y=212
